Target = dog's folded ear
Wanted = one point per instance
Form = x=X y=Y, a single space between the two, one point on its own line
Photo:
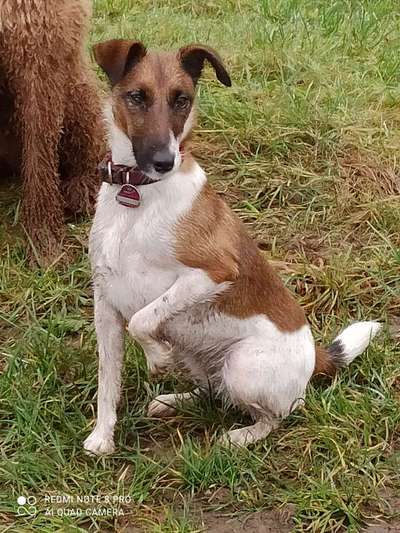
x=118 y=56
x=192 y=58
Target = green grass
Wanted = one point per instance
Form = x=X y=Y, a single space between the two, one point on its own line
x=304 y=147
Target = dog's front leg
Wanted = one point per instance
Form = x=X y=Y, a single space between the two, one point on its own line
x=193 y=287
x=110 y=338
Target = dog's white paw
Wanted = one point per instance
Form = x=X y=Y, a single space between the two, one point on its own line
x=99 y=443
x=162 y=406
x=158 y=357
x=232 y=438
x=250 y=434
x=237 y=437
x=158 y=353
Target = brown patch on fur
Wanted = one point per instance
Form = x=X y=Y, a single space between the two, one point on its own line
x=323 y=362
x=56 y=115
x=153 y=92
x=162 y=80
x=206 y=238
x=116 y=56
x=212 y=238
x=192 y=58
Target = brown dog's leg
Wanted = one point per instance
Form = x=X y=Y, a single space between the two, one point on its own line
x=39 y=110
x=82 y=148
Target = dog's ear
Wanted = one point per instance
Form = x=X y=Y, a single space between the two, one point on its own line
x=192 y=58
x=117 y=56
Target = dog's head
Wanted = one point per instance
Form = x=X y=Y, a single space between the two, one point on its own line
x=153 y=94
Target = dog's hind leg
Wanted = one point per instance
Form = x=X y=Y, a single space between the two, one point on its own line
x=267 y=375
x=166 y=405
x=110 y=338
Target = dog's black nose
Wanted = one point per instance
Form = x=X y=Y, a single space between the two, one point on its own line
x=163 y=161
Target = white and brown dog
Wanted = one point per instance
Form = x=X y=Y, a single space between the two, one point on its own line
x=171 y=259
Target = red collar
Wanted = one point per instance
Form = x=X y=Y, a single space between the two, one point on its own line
x=128 y=195
x=121 y=174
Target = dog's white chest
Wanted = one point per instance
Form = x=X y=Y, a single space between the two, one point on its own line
x=132 y=249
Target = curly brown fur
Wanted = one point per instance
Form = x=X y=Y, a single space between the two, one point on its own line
x=56 y=113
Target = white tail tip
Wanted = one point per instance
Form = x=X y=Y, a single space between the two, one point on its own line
x=353 y=340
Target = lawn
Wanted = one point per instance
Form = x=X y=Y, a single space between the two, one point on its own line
x=304 y=147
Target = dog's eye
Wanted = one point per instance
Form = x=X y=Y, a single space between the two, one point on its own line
x=182 y=102
x=137 y=98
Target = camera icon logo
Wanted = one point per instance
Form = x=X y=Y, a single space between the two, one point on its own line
x=26 y=506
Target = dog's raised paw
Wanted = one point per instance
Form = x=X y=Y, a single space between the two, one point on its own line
x=162 y=406
x=99 y=444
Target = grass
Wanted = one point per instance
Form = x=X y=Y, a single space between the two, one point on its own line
x=304 y=147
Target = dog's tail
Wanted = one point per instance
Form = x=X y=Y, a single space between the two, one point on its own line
x=351 y=342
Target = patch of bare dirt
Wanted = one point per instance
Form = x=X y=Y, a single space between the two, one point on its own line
x=219 y=521
x=392 y=499
x=261 y=522
x=362 y=171
x=382 y=528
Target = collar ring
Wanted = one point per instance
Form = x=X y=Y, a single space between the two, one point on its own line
x=109 y=169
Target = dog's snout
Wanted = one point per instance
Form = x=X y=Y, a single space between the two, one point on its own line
x=163 y=161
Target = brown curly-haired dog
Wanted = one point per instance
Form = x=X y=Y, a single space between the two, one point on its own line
x=51 y=127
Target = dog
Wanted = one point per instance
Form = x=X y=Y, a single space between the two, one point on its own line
x=171 y=260
x=51 y=130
